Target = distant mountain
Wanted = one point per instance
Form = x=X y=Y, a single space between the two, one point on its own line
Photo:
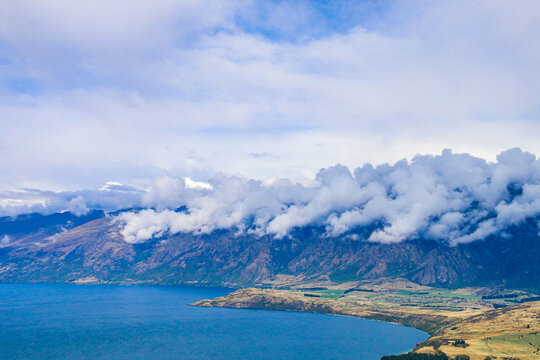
x=35 y=223
x=64 y=247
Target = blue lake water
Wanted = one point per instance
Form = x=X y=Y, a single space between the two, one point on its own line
x=63 y=321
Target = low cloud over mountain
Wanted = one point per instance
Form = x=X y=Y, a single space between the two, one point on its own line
x=451 y=197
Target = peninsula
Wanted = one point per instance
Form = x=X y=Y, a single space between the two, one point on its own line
x=468 y=323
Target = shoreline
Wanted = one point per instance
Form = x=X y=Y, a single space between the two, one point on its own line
x=487 y=333
x=268 y=299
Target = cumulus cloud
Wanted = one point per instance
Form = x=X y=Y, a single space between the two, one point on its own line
x=450 y=197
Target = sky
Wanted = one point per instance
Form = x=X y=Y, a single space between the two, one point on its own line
x=104 y=94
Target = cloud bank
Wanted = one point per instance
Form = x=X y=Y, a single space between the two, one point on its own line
x=451 y=197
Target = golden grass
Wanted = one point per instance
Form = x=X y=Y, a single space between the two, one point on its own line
x=507 y=332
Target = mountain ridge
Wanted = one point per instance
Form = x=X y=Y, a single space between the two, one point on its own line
x=94 y=248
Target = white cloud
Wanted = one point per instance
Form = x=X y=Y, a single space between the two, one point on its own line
x=196 y=185
x=449 y=197
x=78 y=206
x=452 y=197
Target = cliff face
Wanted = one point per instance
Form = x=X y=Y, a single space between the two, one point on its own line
x=47 y=250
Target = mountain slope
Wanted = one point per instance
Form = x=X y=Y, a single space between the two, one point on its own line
x=93 y=248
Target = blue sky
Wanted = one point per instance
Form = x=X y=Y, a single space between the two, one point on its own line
x=128 y=91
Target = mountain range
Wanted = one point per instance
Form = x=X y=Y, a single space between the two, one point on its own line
x=63 y=247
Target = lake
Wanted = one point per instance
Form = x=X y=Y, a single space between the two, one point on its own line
x=66 y=321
